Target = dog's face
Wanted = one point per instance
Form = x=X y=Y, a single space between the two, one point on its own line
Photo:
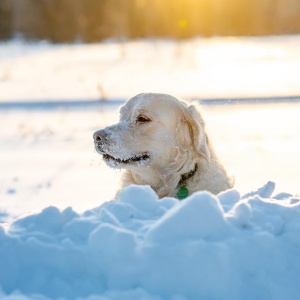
x=152 y=131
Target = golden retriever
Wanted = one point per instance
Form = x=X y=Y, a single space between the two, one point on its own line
x=161 y=141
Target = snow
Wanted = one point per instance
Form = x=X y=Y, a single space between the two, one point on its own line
x=61 y=236
x=204 y=247
x=218 y=67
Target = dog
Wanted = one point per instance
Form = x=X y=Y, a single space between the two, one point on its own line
x=161 y=141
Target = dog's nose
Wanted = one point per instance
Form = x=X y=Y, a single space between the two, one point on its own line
x=99 y=136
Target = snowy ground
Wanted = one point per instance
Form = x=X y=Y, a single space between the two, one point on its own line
x=214 y=67
x=49 y=108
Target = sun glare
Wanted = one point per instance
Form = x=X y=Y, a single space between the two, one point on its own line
x=182 y=23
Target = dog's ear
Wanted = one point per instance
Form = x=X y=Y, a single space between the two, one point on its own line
x=197 y=132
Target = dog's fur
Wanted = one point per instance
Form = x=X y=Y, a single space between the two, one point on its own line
x=157 y=141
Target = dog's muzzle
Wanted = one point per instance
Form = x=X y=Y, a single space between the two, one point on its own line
x=101 y=141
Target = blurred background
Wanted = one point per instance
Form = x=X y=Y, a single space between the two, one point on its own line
x=67 y=65
x=95 y=20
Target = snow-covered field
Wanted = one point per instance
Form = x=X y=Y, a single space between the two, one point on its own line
x=213 y=67
x=52 y=99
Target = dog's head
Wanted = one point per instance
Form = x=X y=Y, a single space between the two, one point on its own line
x=155 y=130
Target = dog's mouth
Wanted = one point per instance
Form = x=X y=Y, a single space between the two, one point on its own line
x=137 y=158
x=140 y=158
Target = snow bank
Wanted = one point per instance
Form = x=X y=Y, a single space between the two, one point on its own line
x=139 y=247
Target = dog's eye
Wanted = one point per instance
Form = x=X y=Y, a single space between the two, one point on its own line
x=142 y=119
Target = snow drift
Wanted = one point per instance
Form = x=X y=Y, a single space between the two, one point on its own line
x=140 y=247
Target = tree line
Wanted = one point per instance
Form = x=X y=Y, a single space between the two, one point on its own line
x=94 y=20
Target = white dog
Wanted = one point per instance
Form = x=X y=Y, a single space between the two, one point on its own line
x=161 y=141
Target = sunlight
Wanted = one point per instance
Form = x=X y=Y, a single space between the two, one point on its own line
x=94 y=20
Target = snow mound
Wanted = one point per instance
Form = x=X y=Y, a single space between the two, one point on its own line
x=139 y=247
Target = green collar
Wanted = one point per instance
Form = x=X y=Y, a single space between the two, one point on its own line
x=183 y=191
